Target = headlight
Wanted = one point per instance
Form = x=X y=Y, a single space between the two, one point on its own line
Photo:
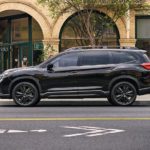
x=2 y=76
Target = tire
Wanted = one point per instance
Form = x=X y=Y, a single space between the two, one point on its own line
x=25 y=94
x=110 y=101
x=123 y=94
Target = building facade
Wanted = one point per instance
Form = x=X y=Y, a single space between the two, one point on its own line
x=27 y=32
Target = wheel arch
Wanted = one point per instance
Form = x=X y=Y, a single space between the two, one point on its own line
x=130 y=79
x=24 y=79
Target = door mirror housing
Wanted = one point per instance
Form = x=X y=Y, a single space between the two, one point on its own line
x=50 y=67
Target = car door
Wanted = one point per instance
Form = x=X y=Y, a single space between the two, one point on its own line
x=94 y=73
x=61 y=81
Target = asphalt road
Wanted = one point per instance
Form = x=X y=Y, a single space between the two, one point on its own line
x=60 y=127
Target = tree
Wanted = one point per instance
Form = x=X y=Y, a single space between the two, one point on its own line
x=87 y=24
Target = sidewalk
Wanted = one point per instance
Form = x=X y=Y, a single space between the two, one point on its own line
x=141 y=101
x=139 y=98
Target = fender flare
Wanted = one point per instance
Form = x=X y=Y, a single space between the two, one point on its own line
x=36 y=81
x=123 y=77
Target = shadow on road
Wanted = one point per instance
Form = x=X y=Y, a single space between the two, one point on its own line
x=76 y=104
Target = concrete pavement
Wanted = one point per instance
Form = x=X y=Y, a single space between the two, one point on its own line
x=75 y=128
x=141 y=100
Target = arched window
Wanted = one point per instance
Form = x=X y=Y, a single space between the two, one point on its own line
x=74 y=31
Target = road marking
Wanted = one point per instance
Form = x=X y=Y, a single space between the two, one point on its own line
x=16 y=131
x=76 y=119
x=41 y=130
x=92 y=131
x=2 y=131
x=21 y=131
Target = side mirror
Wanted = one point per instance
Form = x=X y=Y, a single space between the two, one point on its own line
x=50 y=67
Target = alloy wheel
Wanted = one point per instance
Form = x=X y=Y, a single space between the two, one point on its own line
x=123 y=94
x=25 y=94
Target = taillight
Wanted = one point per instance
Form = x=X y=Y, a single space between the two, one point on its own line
x=146 y=66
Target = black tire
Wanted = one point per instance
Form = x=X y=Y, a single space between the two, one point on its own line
x=25 y=94
x=123 y=94
x=110 y=101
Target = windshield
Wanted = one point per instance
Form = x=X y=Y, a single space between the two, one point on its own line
x=44 y=63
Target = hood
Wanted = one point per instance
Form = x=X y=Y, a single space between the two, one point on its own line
x=18 y=69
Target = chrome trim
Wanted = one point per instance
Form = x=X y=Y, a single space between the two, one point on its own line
x=75 y=88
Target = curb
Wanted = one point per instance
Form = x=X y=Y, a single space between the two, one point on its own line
x=74 y=103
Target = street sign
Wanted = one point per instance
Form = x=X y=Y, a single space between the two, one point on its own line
x=91 y=131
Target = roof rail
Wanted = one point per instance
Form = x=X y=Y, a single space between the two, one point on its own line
x=100 y=47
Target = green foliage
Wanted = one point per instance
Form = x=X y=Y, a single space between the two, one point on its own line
x=47 y=52
x=119 y=7
x=87 y=21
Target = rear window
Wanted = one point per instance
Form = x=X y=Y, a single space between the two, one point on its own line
x=94 y=58
x=129 y=57
x=122 y=57
x=145 y=58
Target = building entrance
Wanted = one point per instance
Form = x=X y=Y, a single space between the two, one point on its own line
x=19 y=36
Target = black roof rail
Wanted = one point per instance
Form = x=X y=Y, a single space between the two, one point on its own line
x=101 y=47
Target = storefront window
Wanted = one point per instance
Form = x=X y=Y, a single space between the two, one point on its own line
x=4 y=31
x=20 y=30
x=20 y=42
x=37 y=34
x=143 y=33
x=37 y=37
x=74 y=34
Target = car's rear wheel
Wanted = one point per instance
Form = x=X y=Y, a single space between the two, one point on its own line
x=25 y=94
x=123 y=94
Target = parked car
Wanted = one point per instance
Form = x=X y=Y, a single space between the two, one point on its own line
x=116 y=74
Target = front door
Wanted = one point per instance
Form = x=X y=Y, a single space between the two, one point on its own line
x=20 y=56
x=61 y=80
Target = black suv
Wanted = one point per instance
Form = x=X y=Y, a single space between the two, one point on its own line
x=118 y=74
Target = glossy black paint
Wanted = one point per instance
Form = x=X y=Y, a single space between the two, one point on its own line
x=77 y=81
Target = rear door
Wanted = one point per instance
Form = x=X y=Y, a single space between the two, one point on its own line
x=94 y=71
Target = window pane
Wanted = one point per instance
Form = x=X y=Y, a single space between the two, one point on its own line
x=37 y=34
x=143 y=28
x=66 y=61
x=94 y=58
x=122 y=57
x=74 y=32
x=20 y=30
x=4 y=31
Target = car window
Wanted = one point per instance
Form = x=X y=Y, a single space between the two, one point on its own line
x=123 y=57
x=94 y=58
x=66 y=60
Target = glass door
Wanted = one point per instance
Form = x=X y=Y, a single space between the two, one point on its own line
x=20 y=56
x=25 y=56
x=4 y=58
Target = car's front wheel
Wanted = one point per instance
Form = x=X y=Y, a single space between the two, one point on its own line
x=123 y=94
x=25 y=94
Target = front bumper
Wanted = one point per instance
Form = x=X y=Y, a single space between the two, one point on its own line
x=3 y=95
